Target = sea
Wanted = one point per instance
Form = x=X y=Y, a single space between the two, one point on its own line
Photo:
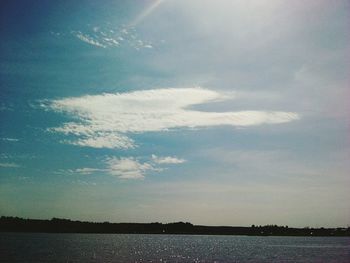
x=85 y=248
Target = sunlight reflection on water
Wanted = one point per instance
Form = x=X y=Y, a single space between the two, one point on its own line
x=21 y=247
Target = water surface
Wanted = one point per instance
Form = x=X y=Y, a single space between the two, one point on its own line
x=41 y=247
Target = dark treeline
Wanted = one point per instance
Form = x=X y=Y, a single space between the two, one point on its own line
x=56 y=225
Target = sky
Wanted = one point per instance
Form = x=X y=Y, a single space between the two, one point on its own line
x=219 y=112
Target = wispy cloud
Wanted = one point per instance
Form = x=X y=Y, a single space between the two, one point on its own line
x=105 y=37
x=167 y=160
x=9 y=165
x=106 y=120
x=6 y=106
x=89 y=40
x=10 y=139
x=87 y=170
x=129 y=167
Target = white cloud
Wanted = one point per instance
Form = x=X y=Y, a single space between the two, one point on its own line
x=87 y=170
x=104 y=37
x=9 y=165
x=10 y=139
x=167 y=160
x=89 y=40
x=107 y=140
x=128 y=168
x=104 y=120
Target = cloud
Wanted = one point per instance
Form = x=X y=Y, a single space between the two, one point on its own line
x=106 y=37
x=128 y=168
x=87 y=170
x=167 y=160
x=106 y=120
x=89 y=40
x=9 y=165
x=6 y=107
x=105 y=140
x=10 y=139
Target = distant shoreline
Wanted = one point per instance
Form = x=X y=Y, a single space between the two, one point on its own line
x=56 y=225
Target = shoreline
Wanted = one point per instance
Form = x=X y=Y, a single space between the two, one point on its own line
x=55 y=225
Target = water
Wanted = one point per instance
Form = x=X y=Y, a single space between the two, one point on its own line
x=40 y=247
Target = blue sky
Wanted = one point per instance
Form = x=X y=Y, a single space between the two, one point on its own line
x=214 y=112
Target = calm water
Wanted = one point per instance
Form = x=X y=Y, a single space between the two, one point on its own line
x=21 y=247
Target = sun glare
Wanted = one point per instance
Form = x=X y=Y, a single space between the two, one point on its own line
x=146 y=13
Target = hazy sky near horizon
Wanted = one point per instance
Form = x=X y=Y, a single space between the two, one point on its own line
x=215 y=112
